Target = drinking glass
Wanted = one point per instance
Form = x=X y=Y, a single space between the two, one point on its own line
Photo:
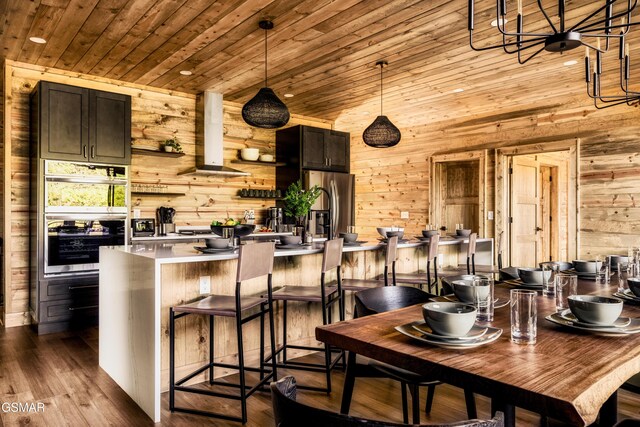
x=459 y=226
x=566 y=285
x=549 y=270
x=603 y=275
x=483 y=298
x=524 y=316
x=623 y=274
x=351 y=229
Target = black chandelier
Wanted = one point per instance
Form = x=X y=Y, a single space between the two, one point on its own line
x=559 y=37
x=594 y=90
x=265 y=110
x=381 y=133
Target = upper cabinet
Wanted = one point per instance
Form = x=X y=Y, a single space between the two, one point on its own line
x=79 y=124
x=313 y=148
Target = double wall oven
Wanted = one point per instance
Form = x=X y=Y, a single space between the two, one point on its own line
x=85 y=207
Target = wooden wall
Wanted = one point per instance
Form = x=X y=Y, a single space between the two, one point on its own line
x=157 y=114
x=395 y=179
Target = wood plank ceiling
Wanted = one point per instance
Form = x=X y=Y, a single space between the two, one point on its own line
x=322 y=51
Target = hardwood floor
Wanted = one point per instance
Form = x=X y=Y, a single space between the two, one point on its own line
x=61 y=371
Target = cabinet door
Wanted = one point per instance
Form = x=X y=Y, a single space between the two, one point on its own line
x=337 y=150
x=64 y=122
x=110 y=127
x=313 y=151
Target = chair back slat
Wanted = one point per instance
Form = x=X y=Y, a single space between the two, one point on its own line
x=332 y=255
x=255 y=260
x=392 y=251
x=500 y=243
x=387 y=298
x=432 y=253
x=471 y=248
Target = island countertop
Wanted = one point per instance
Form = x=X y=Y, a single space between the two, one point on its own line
x=171 y=253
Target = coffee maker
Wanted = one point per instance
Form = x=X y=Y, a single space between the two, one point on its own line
x=165 y=220
x=274 y=218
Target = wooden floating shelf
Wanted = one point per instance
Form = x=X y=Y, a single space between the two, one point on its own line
x=247 y=162
x=260 y=198
x=145 y=152
x=154 y=193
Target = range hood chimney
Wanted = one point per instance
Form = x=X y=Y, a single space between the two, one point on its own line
x=209 y=138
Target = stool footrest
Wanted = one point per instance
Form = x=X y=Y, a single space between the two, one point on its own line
x=208 y=414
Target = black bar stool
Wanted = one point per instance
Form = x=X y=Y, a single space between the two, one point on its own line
x=424 y=278
x=254 y=260
x=327 y=296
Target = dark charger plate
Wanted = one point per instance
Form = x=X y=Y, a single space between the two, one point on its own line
x=239 y=230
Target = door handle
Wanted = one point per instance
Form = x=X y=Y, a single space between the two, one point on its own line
x=84 y=151
x=538 y=229
x=93 y=151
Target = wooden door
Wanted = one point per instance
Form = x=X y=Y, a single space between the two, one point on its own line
x=313 y=152
x=459 y=194
x=110 y=127
x=64 y=122
x=337 y=150
x=525 y=212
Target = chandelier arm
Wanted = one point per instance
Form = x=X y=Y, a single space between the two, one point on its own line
x=547 y=16
x=593 y=47
x=597 y=11
x=533 y=44
x=530 y=57
x=578 y=28
x=480 y=49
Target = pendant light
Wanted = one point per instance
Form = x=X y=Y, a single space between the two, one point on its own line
x=265 y=110
x=381 y=133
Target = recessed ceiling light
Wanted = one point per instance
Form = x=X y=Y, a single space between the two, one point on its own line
x=502 y=21
x=186 y=72
x=288 y=95
x=38 y=40
x=458 y=90
x=570 y=63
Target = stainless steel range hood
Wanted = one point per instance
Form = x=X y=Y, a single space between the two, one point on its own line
x=209 y=138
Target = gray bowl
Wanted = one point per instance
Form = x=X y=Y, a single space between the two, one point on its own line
x=634 y=285
x=467 y=292
x=383 y=231
x=429 y=233
x=532 y=276
x=614 y=260
x=465 y=232
x=217 y=243
x=400 y=234
x=290 y=240
x=583 y=266
x=452 y=319
x=595 y=309
x=562 y=265
x=349 y=237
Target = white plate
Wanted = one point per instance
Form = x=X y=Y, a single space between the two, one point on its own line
x=422 y=327
x=293 y=246
x=632 y=328
x=627 y=293
x=620 y=322
x=491 y=335
x=497 y=302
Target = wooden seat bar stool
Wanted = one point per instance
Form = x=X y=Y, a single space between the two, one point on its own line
x=327 y=296
x=424 y=278
x=254 y=260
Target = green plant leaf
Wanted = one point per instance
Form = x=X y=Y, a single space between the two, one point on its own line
x=297 y=201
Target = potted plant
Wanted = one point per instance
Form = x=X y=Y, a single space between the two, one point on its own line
x=298 y=201
x=172 y=145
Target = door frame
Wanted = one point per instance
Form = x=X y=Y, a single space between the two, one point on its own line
x=434 y=185
x=503 y=199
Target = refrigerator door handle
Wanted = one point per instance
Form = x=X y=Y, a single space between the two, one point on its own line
x=336 y=210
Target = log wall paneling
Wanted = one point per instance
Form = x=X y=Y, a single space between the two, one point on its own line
x=157 y=114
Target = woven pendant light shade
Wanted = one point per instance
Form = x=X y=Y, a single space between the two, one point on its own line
x=381 y=133
x=265 y=110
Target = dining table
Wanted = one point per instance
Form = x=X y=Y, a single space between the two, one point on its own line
x=569 y=375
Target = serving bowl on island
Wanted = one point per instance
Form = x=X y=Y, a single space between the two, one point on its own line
x=349 y=237
x=239 y=230
x=595 y=309
x=290 y=240
x=463 y=232
x=217 y=243
x=395 y=231
x=429 y=233
x=451 y=319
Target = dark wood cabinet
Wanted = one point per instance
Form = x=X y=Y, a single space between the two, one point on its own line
x=313 y=148
x=78 y=124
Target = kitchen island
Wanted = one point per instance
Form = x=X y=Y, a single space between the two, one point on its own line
x=138 y=284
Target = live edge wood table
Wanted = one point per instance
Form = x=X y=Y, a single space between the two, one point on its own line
x=568 y=375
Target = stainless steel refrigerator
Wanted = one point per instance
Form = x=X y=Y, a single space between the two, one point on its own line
x=339 y=196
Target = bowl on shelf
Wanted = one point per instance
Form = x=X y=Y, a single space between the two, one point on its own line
x=463 y=232
x=453 y=319
x=383 y=231
x=290 y=240
x=266 y=157
x=250 y=154
x=217 y=243
x=349 y=237
x=595 y=309
x=429 y=233
x=239 y=230
x=532 y=276
x=583 y=266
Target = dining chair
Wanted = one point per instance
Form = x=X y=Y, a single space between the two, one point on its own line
x=288 y=412
x=470 y=266
x=424 y=278
x=380 y=300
